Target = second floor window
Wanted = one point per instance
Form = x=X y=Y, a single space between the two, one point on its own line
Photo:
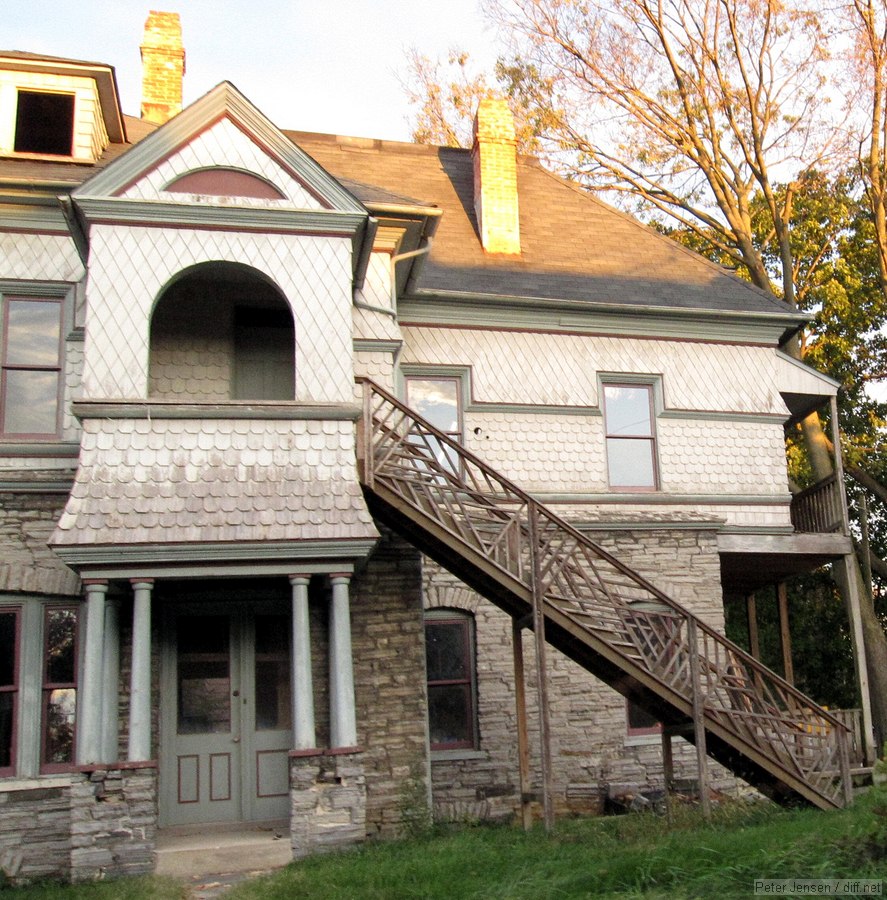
x=436 y=398
x=30 y=384
x=631 y=436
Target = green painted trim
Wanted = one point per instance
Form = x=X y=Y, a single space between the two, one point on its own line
x=53 y=450
x=223 y=100
x=235 y=218
x=48 y=217
x=158 y=409
x=721 y=416
x=650 y=525
x=371 y=345
x=271 y=557
x=573 y=316
x=659 y=498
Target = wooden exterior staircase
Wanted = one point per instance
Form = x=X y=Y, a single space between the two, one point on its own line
x=597 y=611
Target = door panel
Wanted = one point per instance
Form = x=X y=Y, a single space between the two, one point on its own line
x=226 y=715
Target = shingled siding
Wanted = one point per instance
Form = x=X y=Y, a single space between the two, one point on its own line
x=592 y=754
x=388 y=645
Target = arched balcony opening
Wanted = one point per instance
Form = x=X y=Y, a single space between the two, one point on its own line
x=221 y=332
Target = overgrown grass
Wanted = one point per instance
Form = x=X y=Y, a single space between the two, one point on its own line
x=629 y=856
x=638 y=855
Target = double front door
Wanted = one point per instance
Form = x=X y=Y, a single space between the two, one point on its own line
x=226 y=714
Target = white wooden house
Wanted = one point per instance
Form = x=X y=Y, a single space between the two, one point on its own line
x=213 y=605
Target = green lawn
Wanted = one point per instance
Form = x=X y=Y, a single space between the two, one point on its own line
x=628 y=856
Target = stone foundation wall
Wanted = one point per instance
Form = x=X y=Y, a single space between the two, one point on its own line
x=388 y=644
x=592 y=753
x=328 y=802
x=84 y=827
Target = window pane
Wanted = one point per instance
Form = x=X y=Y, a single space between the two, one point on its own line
x=445 y=649
x=30 y=402
x=204 y=674
x=449 y=714
x=628 y=410
x=273 y=697
x=61 y=706
x=640 y=719
x=33 y=332
x=7 y=705
x=630 y=463
x=436 y=399
x=61 y=631
x=7 y=649
x=44 y=123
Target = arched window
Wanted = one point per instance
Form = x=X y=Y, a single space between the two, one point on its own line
x=452 y=683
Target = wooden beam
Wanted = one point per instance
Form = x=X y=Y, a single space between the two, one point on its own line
x=698 y=719
x=523 y=743
x=754 y=640
x=785 y=637
x=541 y=670
x=668 y=773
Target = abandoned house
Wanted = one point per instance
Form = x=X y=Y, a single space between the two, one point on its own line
x=342 y=474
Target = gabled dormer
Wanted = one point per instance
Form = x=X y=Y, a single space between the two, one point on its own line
x=57 y=109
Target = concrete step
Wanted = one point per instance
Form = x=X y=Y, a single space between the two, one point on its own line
x=189 y=851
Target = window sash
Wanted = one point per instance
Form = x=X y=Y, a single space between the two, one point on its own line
x=465 y=686
x=49 y=694
x=638 y=440
x=11 y=690
x=16 y=365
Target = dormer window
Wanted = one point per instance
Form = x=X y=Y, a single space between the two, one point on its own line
x=44 y=123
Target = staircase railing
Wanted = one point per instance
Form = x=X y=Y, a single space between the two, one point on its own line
x=615 y=611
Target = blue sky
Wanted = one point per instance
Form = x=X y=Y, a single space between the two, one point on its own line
x=312 y=65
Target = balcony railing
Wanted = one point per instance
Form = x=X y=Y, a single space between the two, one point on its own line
x=818 y=509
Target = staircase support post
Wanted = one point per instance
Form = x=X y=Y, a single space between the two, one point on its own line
x=846 y=778
x=541 y=669
x=523 y=743
x=667 y=771
x=785 y=635
x=698 y=718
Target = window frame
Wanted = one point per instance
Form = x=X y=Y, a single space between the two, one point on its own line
x=444 y=616
x=634 y=732
x=46 y=687
x=44 y=154
x=58 y=368
x=14 y=689
x=652 y=389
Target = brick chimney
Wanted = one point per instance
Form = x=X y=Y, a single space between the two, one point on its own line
x=163 y=66
x=495 y=177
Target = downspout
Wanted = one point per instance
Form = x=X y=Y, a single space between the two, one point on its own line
x=410 y=254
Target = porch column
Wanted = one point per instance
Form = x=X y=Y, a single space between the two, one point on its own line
x=343 y=724
x=89 y=737
x=110 y=687
x=302 y=678
x=140 y=680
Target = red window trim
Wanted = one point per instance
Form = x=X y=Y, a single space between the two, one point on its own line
x=9 y=367
x=14 y=688
x=47 y=687
x=469 y=682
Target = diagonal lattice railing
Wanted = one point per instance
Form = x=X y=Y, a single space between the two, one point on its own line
x=599 y=600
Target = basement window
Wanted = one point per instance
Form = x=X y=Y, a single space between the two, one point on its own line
x=44 y=123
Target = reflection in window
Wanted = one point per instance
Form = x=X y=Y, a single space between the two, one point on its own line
x=204 y=675
x=449 y=659
x=630 y=436
x=273 y=697
x=437 y=400
x=9 y=620
x=31 y=372
x=59 y=685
